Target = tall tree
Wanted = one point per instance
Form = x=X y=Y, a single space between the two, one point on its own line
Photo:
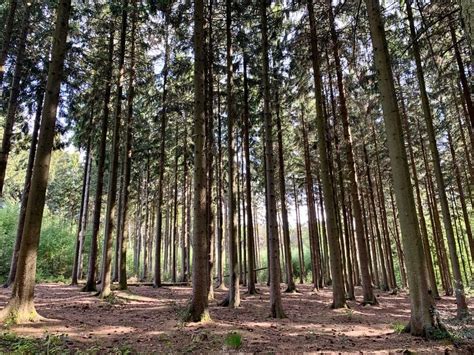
x=106 y=273
x=368 y=294
x=276 y=307
x=339 y=298
x=21 y=307
x=421 y=319
x=462 y=310
x=14 y=95
x=91 y=274
x=198 y=309
x=7 y=37
x=233 y=298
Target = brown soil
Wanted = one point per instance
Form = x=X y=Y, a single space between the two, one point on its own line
x=147 y=320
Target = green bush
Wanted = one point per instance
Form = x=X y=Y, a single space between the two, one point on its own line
x=56 y=249
x=8 y=224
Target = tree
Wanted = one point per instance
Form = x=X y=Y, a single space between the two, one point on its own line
x=113 y=166
x=233 y=299
x=198 y=309
x=91 y=274
x=276 y=307
x=339 y=299
x=421 y=320
x=448 y=225
x=21 y=307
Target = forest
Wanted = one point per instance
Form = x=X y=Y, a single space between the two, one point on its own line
x=236 y=176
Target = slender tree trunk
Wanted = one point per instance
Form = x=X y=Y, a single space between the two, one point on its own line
x=312 y=225
x=127 y=158
x=91 y=275
x=276 y=308
x=462 y=310
x=26 y=185
x=20 y=307
x=164 y=119
x=423 y=229
x=7 y=35
x=84 y=207
x=462 y=198
x=233 y=297
x=299 y=235
x=199 y=305
x=220 y=217
x=210 y=151
x=14 y=93
x=333 y=241
x=462 y=74
x=368 y=294
x=251 y=278
x=106 y=278
x=421 y=320
x=284 y=212
x=185 y=231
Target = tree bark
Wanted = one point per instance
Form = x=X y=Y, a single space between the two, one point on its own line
x=106 y=279
x=233 y=297
x=276 y=308
x=462 y=310
x=14 y=94
x=7 y=35
x=161 y=172
x=199 y=305
x=91 y=275
x=20 y=307
x=421 y=321
x=333 y=240
x=251 y=277
x=26 y=185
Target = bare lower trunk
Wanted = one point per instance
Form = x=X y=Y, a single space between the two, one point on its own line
x=26 y=186
x=421 y=320
x=20 y=307
x=106 y=277
x=276 y=308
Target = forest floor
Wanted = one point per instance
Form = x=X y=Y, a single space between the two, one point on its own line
x=148 y=320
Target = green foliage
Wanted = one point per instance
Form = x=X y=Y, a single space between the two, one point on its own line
x=398 y=327
x=8 y=223
x=56 y=249
x=48 y=344
x=233 y=340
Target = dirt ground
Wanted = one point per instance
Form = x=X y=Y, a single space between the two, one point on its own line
x=148 y=320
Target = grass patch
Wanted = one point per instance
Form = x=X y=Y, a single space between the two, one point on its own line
x=233 y=340
x=48 y=344
x=398 y=327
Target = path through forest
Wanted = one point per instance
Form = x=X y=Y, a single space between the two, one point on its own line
x=147 y=319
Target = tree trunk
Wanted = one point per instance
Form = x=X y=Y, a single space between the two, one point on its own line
x=284 y=212
x=26 y=185
x=7 y=35
x=199 y=305
x=161 y=172
x=421 y=320
x=333 y=241
x=276 y=308
x=423 y=229
x=233 y=297
x=14 y=94
x=251 y=277
x=91 y=277
x=127 y=158
x=20 y=307
x=312 y=225
x=462 y=310
x=106 y=278
x=84 y=207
